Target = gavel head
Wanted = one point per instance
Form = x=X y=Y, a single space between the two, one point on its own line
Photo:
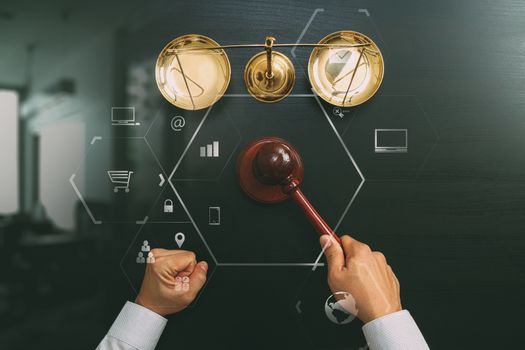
x=265 y=166
x=273 y=163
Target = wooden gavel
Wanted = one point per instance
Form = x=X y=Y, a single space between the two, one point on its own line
x=270 y=170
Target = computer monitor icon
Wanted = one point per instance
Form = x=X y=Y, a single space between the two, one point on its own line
x=391 y=140
x=123 y=116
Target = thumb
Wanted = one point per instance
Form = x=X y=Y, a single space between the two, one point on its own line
x=335 y=257
x=198 y=277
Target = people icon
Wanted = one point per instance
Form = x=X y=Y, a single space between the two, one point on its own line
x=140 y=258
x=145 y=246
x=151 y=258
x=182 y=283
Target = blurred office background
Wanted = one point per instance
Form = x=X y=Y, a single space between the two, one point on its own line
x=62 y=67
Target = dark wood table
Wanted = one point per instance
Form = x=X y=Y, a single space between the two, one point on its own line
x=449 y=214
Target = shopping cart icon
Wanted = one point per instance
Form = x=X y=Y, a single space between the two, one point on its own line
x=120 y=178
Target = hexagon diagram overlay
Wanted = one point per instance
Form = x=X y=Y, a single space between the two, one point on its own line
x=252 y=233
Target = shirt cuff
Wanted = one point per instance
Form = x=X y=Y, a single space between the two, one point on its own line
x=138 y=327
x=396 y=331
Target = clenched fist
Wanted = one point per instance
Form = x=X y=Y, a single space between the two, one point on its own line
x=172 y=281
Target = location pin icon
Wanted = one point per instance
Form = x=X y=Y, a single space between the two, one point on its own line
x=179 y=238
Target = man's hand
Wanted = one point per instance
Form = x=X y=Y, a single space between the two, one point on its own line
x=172 y=281
x=364 y=274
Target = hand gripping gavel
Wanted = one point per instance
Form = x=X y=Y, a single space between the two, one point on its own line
x=270 y=170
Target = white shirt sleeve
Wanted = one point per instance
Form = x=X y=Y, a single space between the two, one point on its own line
x=396 y=331
x=135 y=328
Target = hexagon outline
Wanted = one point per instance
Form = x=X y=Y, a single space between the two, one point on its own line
x=172 y=174
x=345 y=148
x=436 y=135
x=194 y=302
x=146 y=218
x=77 y=191
x=429 y=123
x=319 y=10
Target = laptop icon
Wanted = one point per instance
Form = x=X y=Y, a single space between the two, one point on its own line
x=391 y=140
x=123 y=116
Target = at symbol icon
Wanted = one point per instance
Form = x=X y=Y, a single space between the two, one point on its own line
x=177 y=123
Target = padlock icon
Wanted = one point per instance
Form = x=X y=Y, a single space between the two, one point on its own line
x=168 y=206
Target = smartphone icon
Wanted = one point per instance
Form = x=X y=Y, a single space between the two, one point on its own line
x=214 y=216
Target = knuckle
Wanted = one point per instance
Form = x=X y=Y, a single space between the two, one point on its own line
x=346 y=239
x=380 y=256
x=363 y=249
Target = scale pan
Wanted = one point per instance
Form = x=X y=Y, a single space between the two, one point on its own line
x=190 y=78
x=346 y=77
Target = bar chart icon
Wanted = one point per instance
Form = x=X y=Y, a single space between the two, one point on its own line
x=211 y=150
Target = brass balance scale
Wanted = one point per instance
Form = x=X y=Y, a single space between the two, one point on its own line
x=345 y=69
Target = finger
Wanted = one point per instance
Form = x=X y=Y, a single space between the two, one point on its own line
x=350 y=247
x=162 y=253
x=354 y=247
x=347 y=242
x=198 y=277
x=177 y=261
x=335 y=257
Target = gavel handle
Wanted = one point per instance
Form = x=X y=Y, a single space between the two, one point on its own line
x=313 y=216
